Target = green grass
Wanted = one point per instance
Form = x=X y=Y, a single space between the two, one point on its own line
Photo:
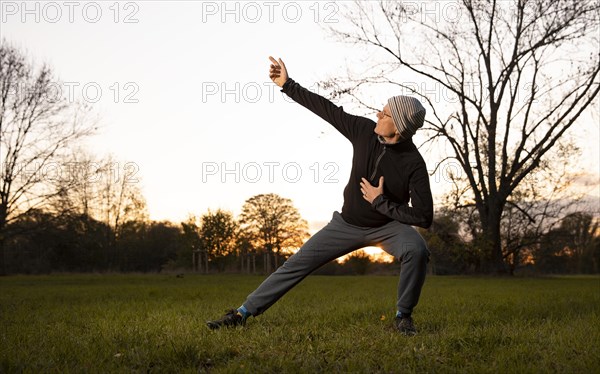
x=141 y=323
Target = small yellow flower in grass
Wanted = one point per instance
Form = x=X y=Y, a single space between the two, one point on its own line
x=382 y=318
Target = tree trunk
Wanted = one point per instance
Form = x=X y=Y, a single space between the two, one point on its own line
x=497 y=264
x=205 y=262
x=491 y=243
x=2 y=239
x=242 y=255
x=2 y=262
x=267 y=262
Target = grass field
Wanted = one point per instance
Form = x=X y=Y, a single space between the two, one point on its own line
x=155 y=323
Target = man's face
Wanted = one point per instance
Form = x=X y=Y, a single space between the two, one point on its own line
x=385 y=126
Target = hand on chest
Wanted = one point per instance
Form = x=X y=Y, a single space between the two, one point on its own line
x=392 y=167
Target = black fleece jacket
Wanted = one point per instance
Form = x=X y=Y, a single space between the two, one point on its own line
x=402 y=166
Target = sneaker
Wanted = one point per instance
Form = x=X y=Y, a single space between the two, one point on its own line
x=405 y=326
x=231 y=319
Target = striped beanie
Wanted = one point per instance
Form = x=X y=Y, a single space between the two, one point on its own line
x=408 y=114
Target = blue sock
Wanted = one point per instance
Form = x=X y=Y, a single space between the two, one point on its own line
x=399 y=314
x=244 y=312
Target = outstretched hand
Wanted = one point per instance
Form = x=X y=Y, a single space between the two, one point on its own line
x=370 y=192
x=278 y=72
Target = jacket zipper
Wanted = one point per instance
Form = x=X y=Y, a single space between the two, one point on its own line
x=377 y=164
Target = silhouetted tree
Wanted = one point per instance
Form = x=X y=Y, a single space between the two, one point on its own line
x=358 y=262
x=584 y=239
x=147 y=246
x=516 y=75
x=33 y=240
x=451 y=251
x=35 y=129
x=41 y=242
x=191 y=246
x=102 y=188
x=572 y=247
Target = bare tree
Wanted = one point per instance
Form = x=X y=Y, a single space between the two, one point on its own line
x=36 y=127
x=274 y=224
x=538 y=204
x=102 y=188
x=121 y=199
x=515 y=75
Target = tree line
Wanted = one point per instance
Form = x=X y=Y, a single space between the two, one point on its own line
x=268 y=230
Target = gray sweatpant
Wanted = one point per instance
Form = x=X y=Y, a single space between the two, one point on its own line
x=338 y=238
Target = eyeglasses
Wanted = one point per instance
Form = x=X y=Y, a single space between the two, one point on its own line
x=383 y=113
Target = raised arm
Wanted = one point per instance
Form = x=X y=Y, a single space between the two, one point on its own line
x=349 y=125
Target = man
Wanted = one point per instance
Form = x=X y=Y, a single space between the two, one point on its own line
x=387 y=172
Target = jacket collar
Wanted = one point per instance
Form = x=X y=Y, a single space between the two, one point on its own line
x=402 y=145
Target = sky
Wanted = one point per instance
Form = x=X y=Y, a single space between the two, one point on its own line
x=181 y=90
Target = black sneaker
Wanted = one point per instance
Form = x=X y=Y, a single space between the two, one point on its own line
x=405 y=326
x=231 y=319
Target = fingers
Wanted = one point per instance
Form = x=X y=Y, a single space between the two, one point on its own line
x=365 y=195
x=275 y=67
x=365 y=182
x=364 y=189
x=275 y=70
x=274 y=73
x=378 y=186
x=278 y=62
x=369 y=192
x=364 y=186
